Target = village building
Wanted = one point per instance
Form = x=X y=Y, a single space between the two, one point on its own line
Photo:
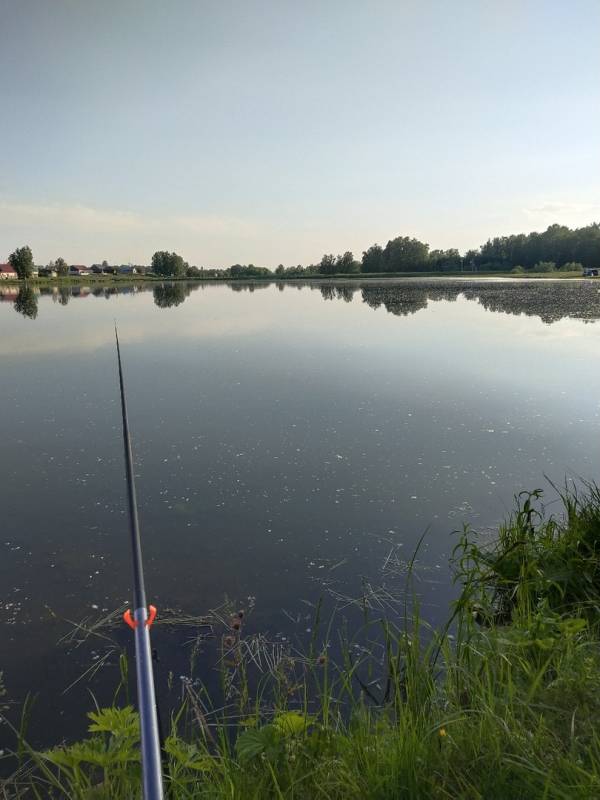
x=78 y=270
x=7 y=272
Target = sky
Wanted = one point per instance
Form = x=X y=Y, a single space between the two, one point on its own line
x=273 y=132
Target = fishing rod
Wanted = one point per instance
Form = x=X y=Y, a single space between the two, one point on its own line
x=140 y=623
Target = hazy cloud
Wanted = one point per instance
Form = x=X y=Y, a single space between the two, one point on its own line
x=564 y=212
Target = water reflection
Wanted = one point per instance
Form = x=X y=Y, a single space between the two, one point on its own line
x=26 y=302
x=550 y=301
x=287 y=447
x=173 y=294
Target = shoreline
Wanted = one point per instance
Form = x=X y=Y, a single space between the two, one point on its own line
x=114 y=280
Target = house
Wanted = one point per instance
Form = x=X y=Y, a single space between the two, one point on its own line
x=78 y=270
x=47 y=272
x=97 y=269
x=590 y=272
x=7 y=271
x=126 y=269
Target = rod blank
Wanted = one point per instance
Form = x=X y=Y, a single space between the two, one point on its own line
x=150 y=741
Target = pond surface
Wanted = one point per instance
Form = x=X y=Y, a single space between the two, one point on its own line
x=291 y=442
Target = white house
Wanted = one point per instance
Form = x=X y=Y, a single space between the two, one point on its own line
x=78 y=270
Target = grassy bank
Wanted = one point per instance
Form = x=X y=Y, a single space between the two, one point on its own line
x=120 y=280
x=503 y=702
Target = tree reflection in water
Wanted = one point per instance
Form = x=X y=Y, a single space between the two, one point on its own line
x=551 y=301
x=167 y=295
x=26 y=302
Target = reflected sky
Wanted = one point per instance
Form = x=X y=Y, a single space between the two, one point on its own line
x=285 y=442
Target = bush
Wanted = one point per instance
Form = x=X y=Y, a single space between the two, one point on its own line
x=503 y=702
x=571 y=266
x=545 y=266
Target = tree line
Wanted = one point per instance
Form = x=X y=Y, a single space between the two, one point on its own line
x=557 y=248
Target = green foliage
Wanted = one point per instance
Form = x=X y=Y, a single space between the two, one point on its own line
x=22 y=262
x=338 y=265
x=61 y=267
x=444 y=260
x=168 y=264
x=544 y=266
x=327 y=264
x=372 y=259
x=404 y=254
x=502 y=703
x=537 y=562
x=558 y=243
x=249 y=271
x=571 y=266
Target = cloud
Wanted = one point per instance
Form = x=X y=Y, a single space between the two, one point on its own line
x=567 y=212
x=80 y=220
x=84 y=218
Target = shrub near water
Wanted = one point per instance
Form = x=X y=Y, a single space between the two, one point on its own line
x=503 y=703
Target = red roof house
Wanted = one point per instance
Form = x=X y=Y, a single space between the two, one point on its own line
x=7 y=271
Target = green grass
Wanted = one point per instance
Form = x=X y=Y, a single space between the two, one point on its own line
x=503 y=702
x=119 y=280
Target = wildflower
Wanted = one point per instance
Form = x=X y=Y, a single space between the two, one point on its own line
x=228 y=641
x=321 y=660
x=236 y=625
x=442 y=732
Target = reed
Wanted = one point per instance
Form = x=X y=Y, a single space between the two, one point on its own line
x=502 y=702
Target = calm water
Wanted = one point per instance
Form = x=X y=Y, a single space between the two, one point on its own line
x=290 y=442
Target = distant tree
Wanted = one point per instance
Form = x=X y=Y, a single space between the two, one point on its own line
x=22 y=262
x=104 y=264
x=327 y=265
x=470 y=260
x=248 y=271
x=280 y=271
x=444 y=260
x=404 y=254
x=26 y=302
x=346 y=264
x=294 y=272
x=193 y=272
x=372 y=259
x=169 y=264
x=61 y=266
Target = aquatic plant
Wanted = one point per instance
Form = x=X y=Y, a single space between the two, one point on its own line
x=503 y=702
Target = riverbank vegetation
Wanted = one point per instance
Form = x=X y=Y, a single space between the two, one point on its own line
x=502 y=702
x=557 y=250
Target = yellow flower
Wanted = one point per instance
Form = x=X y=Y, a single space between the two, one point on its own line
x=442 y=732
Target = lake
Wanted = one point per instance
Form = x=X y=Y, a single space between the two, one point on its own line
x=292 y=442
